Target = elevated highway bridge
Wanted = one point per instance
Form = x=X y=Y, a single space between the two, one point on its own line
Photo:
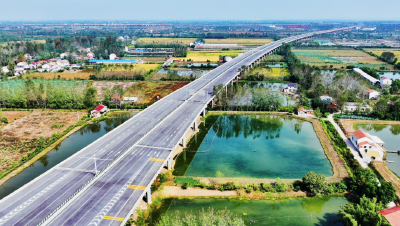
x=103 y=183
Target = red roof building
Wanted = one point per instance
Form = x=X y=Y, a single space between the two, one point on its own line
x=392 y=215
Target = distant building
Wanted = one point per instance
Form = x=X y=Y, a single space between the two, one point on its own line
x=90 y=55
x=5 y=70
x=372 y=94
x=291 y=88
x=332 y=106
x=227 y=58
x=353 y=106
x=113 y=56
x=302 y=111
x=370 y=147
x=219 y=46
x=325 y=98
x=27 y=56
x=132 y=100
x=367 y=77
x=62 y=55
x=385 y=82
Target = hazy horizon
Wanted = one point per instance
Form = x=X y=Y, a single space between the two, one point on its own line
x=206 y=10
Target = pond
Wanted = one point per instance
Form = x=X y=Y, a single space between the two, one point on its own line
x=65 y=149
x=324 y=42
x=240 y=99
x=390 y=134
x=296 y=211
x=255 y=146
x=194 y=72
x=390 y=74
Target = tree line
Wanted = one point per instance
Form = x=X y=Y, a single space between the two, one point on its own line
x=40 y=93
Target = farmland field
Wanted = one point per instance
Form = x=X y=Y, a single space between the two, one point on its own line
x=148 y=91
x=109 y=85
x=241 y=41
x=272 y=72
x=186 y=41
x=109 y=70
x=62 y=75
x=213 y=56
x=378 y=52
x=339 y=58
x=20 y=136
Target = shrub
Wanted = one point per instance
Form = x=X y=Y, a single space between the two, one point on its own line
x=4 y=119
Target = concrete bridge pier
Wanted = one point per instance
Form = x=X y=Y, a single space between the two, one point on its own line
x=169 y=164
x=148 y=195
x=184 y=141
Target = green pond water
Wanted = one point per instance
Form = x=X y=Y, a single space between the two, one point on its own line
x=254 y=146
x=390 y=134
x=297 y=211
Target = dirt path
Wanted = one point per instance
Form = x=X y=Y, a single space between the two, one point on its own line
x=388 y=175
x=339 y=171
x=173 y=191
x=348 y=124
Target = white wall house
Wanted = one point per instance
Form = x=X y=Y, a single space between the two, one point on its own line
x=90 y=55
x=27 y=56
x=291 y=88
x=113 y=56
x=352 y=107
x=372 y=94
x=5 y=70
x=385 y=82
x=63 y=55
x=370 y=147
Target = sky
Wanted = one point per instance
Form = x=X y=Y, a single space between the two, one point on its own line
x=169 y=10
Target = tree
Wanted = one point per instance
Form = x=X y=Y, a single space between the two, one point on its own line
x=316 y=184
x=389 y=57
x=11 y=66
x=90 y=96
x=364 y=214
x=21 y=58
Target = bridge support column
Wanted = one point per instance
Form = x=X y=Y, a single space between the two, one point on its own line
x=204 y=112
x=148 y=195
x=184 y=141
x=169 y=164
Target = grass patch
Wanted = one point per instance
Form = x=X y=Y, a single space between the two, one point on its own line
x=58 y=75
x=339 y=58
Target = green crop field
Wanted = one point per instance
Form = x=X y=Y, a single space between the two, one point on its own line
x=339 y=58
x=213 y=56
x=378 y=52
x=187 y=41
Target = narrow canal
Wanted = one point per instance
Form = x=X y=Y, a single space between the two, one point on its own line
x=65 y=149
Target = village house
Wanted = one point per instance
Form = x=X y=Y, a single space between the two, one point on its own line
x=116 y=99
x=131 y=100
x=332 y=106
x=372 y=94
x=325 y=99
x=5 y=70
x=113 y=56
x=353 y=106
x=370 y=147
x=90 y=55
x=27 y=56
x=63 y=55
x=385 y=82
x=98 y=111
x=291 y=88
x=302 y=111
